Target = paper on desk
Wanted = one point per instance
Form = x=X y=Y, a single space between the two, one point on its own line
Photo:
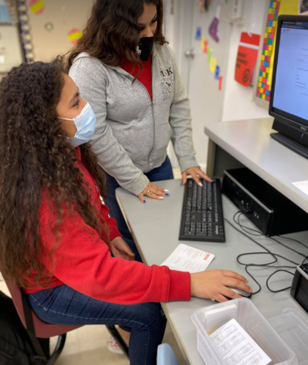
x=186 y=258
x=302 y=185
x=236 y=347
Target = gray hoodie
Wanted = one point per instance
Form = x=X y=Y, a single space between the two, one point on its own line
x=132 y=132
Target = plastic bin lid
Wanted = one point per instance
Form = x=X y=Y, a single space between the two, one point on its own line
x=292 y=327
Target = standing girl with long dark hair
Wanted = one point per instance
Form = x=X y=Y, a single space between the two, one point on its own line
x=124 y=67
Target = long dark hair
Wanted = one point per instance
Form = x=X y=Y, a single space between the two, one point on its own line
x=37 y=159
x=112 y=32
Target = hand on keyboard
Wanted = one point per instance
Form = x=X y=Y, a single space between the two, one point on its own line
x=195 y=173
x=213 y=284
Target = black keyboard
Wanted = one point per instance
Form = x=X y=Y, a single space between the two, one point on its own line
x=202 y=215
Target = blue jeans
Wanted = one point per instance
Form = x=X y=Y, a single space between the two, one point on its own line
x=164 y=172
x=147 y=322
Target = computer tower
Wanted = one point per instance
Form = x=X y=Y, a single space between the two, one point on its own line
x=270 y=211
x=299 y=289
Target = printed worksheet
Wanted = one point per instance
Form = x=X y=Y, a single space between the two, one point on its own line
x=236 y=347
x=186 y=258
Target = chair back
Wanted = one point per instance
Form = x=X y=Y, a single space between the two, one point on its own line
x=42 y=329
x=166 y=356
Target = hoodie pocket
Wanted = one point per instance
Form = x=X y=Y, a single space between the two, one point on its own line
x=139 y=143
x=162 y=138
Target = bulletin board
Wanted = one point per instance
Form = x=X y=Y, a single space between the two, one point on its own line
x=263 y=78
x=52 y=27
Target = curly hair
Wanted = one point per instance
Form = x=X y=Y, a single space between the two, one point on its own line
x=37 y=158
x=112 y=31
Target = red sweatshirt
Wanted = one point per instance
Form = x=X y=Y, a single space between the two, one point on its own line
x=83 y=261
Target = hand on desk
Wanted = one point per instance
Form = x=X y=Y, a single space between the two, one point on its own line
x=213 y=284
x=195 y=173
x=120 y=248
x=153 y=191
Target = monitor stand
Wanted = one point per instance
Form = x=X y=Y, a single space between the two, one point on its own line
x=290 y=143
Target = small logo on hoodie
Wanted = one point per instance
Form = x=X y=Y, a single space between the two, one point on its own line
x=167 y=82
x=167 y=72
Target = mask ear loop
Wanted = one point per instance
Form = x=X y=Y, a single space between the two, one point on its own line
x=65 y=119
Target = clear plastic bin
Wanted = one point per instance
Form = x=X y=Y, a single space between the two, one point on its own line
x=209 y=319
x=292 y=327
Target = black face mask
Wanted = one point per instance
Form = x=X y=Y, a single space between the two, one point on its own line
x=145 y=48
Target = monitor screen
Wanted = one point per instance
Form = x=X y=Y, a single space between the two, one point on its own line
x=290 y=82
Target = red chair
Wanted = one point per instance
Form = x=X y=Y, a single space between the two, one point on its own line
x=39 y=330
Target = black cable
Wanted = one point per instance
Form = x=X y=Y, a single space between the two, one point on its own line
x=244 y=228
x=292 y=249
x=305 y=260
x=293 y=239
x=261 y=234
x=280 y=290
x=268 y=252
x=259 y=253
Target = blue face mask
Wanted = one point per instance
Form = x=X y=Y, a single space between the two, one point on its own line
x=85 y=124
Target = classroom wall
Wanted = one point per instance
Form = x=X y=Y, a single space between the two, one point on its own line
x=239 y=101
x=56 y=25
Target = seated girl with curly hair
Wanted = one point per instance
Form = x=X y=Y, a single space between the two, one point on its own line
x=56 y=236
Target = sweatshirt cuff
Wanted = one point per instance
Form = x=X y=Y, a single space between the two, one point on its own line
x=188 y=163
x=137 y=186
x=114 y=233
x=180 y=287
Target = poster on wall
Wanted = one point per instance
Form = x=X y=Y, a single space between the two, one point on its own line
x=276 y=8
x=246 y=59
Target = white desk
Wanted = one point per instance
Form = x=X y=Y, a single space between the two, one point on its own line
x=248 y=143
x=155 y=225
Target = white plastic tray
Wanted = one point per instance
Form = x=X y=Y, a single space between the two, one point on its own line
x=292 y=327
x=209 y=319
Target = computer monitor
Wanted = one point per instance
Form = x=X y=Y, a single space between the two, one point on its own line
x=289 y=94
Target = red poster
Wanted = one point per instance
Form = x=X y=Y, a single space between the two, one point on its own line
x=246 y=58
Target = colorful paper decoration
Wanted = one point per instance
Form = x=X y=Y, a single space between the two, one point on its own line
x=37 y=6
x=209 y=54
x=220 y=83
x=213 y=63
x=213 y=30
x=268 y=51
x=74 y=35
x=214 y=67
x=198 y=34
x=202 y=42
x=205 y=47
x=217 y=72
x=246 y=58
x=264 y=84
